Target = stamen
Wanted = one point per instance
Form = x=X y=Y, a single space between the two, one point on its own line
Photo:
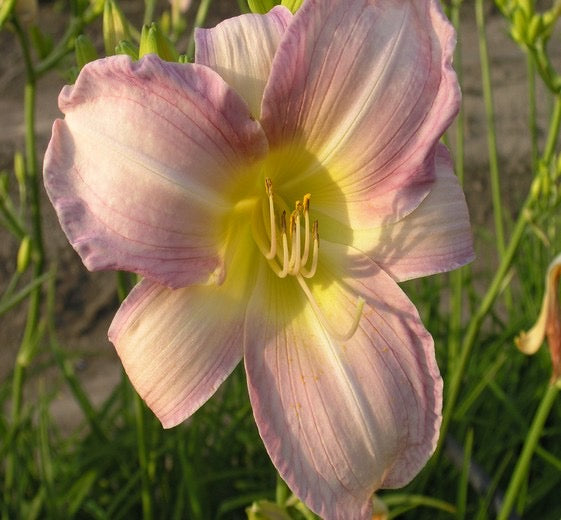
x=294 y=260
x=273 y=250
x=295 y=253
x=312 y=271
x=325 y=324
x=306 y=208
x=285 y=259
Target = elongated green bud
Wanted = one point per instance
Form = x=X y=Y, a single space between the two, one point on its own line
x=535 y=28
x=20 y=174
x=19 y=168
x=125 y=47
x=527 y=6
x=115 y=26
x=6 y=7
x=261 y=6
x=293 y=5
x=154 y=41
x=264 y=509
x=519 y=26
x=85 y=51
x=24 y=254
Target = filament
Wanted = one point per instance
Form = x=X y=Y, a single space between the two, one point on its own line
x=273 y=250
x=322 y=319
x=295 y=252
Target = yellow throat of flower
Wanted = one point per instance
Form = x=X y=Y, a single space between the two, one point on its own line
x=290 y=245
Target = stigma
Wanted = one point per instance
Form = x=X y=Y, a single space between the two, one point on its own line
x=289 y=251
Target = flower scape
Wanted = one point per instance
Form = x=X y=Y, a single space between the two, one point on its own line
x=215 y=180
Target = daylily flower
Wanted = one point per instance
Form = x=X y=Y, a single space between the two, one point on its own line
x=214 y=181
x=548 y=324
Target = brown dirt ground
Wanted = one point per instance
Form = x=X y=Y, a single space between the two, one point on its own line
x=87 y=301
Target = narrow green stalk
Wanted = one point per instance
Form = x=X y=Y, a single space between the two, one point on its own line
x=491 y=139
x=123 y=288
x=149 y=6
x=13 y=300
x=146 y=496
x=532 y=111
x=532 y=438
x=242 y=4
x=457 y=277
x=281 y=492
x=63 y=47
x=12 y=221
x=200 y=18
x=30 y=336
x=553 y=133
x=453 y=389
x=461 y=501
x=470 y=337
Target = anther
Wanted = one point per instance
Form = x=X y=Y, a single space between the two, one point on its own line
x=273 y=249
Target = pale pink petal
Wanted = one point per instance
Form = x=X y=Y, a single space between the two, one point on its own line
x=341 y=419
x=366 y=88
x=241 y=50
x=139 y=170
x=434 y=238
x=178 y=345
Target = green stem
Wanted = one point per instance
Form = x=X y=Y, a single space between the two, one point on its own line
x=553 y=133
x=281 y=492
x=532 y=111
x=477 y=320
x=455 y=384
x=457 y=277
x=530 y=444
x=149 y=6
x=146 y=496
x=123 y=287
x=491 y=133
x=30 y=336
x=66 y=44
x=200 y=18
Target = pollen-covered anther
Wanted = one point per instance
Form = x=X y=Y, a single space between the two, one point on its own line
x=295 y=247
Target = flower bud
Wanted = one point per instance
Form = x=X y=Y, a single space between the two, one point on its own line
x=84 y=50
x=115 y=27
x=24 y=254
x=20 y=174
x=25 y=10
x=535 y=28
x=261 y=6
x=154 y=41
x=264 y=510
x=293 y=5
x=527 y=7
x=519 y=26
x=125 y=47
x=549 y=322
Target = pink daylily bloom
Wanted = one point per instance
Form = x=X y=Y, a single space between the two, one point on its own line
x=214 y=181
